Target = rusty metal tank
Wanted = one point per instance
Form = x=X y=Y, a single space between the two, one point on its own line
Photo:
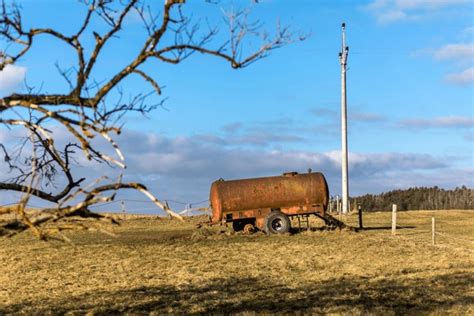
x=288 y=190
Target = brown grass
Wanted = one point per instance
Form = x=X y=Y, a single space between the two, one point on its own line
x=163 y=266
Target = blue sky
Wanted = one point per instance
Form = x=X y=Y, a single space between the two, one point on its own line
x=410 y=97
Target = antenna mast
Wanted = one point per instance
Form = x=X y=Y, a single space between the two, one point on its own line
x=345 y=178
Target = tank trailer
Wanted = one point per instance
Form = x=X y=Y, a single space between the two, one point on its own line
x=269 y=203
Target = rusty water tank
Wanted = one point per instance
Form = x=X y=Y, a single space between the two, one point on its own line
x=288 y=190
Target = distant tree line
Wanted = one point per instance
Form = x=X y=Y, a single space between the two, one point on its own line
x=418 y=198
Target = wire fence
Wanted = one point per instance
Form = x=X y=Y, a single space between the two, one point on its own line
x=183 y=208
x=441 y=232
x=119 y=205
x=420 y=223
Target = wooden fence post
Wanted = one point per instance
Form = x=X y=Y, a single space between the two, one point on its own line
x=338 y=205
x=361 y=226
x=168 y=208
x=394 y=219
x=433 y=231
x=339 y=208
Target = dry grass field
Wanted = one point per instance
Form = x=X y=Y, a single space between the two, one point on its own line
x=164 y=266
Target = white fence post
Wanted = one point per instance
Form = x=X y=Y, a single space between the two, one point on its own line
x=394 y=219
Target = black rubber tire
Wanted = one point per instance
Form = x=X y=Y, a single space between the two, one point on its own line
x=277 y=223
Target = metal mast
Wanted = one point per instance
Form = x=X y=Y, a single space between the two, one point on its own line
x=345 y=178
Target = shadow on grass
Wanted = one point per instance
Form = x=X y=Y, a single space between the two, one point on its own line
x=351 y=294
x=297 y=230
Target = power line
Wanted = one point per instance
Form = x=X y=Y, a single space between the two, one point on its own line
x=200 y=202
x=9 y=204
x=127 y=200
x=172 y=201
x=107 y=203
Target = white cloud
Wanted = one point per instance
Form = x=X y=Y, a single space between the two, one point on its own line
x=468 y=32
x=388 y=11
x=353 y=116
x=439 y=122
x=461 y=54
x=182 y=168
x=412 y=4
x=456 y=52
x=232 y=127
x=366 y=117
x=190 y=158
x=11 y=78
x=465 y=77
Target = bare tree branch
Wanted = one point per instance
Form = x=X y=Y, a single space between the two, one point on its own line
x=39 y=166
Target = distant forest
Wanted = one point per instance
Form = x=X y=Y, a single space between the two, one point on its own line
x=418 y=199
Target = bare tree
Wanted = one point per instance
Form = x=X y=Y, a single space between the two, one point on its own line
x=38 y=165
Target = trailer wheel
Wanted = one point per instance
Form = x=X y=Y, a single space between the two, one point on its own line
x=245 y=225
x=249 y=229
x=277 y=223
